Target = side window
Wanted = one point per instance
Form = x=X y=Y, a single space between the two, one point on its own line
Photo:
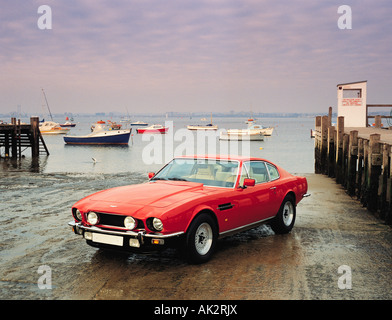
x=258 y=171
x=273 y=171
x=244 y=173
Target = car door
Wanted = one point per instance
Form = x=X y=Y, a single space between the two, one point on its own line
x=253 y=203
x=242 y=205
x=276 y=189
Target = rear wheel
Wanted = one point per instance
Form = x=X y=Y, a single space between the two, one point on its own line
x=201 y=239
x=285 y=219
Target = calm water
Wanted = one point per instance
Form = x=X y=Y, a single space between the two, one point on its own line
x=290 y=146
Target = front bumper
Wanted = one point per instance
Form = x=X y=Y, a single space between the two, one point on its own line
x=128 y=240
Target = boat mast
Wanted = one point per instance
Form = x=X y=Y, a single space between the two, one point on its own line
x=47 y=104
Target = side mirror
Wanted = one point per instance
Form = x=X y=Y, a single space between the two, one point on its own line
x=249 y=183
x=151 y=175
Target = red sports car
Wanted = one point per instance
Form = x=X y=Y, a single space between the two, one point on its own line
x=190 y=203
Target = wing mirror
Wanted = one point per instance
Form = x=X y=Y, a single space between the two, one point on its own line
x=249 y=183
x=151 y=175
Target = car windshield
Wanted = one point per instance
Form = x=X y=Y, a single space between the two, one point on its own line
x=217 y=173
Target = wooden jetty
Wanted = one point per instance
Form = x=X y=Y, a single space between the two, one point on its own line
x=16 y=137
x=359 y=158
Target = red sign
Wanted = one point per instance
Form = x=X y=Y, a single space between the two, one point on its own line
x=352 y=102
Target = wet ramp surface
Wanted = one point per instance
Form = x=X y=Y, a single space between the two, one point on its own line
x=334 y=240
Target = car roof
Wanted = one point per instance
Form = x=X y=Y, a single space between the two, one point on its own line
x=221 y=157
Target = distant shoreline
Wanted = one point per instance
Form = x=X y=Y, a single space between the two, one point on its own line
x=171 y=115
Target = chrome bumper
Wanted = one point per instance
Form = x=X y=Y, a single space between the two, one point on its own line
x=78 y=226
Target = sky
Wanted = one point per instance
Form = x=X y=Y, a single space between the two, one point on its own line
x=191 y=56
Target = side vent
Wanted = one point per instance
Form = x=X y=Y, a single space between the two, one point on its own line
x=225 y=206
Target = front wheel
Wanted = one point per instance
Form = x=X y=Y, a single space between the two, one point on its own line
x=201 y=239
x=284 y=220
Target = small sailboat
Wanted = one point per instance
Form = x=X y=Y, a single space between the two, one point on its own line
x=51 y=127
x=208 y=126
x=67 y=124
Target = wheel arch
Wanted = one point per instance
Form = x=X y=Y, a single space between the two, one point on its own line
x=291 y=194
x=199 y=211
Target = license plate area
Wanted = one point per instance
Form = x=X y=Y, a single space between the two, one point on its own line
x=108 y=239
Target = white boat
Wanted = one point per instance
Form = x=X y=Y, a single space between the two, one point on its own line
x=139 y=124
x=51 y=127
x=241 y=134
x=208 y=126
x=266 y=131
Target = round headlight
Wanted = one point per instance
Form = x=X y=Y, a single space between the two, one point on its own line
x=157 y=224
x=129 y=223
x=92 y=218
x=78 y=215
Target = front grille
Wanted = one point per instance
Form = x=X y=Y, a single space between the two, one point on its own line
x=116 y=220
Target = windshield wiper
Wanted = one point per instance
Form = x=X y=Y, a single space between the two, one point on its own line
x=177 y=179
x=158 y=179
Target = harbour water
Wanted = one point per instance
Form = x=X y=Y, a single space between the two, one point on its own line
x=290 y=146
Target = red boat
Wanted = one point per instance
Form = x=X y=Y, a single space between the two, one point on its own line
x=155 y=128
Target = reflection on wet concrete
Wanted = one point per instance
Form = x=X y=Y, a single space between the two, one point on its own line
x=331 y=230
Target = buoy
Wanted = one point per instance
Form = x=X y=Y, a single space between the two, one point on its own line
x=261 y=148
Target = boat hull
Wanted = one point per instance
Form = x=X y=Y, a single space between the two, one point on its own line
x=160 y=130
x=201 y=127
x=57 y=131
x=103 y=138
x=68 y=125
x=241 y=136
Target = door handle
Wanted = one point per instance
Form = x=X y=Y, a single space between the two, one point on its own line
x=273 y=188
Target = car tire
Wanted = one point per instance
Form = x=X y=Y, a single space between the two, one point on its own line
x=285 y=219
x=201 y=239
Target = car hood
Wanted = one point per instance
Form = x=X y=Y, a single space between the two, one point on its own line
x=130 y=198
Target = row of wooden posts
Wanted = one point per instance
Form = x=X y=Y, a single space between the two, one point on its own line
x=362 y=166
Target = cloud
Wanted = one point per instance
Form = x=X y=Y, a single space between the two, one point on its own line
x=203 y=54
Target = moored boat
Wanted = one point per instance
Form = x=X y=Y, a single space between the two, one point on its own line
x=139 y=124
x=68 y=123
x=241 y=134
x=101 y=135
x=51 y=127
x=266 y=131
x=155 y=128
x=208 y=126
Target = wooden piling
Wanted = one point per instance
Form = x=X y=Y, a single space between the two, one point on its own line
x=374 y=163
x=339 y=150
x=352 y=162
